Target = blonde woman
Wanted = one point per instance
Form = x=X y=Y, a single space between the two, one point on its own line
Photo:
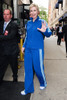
x=34 y=50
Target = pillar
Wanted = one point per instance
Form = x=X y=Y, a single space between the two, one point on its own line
x=15 y=3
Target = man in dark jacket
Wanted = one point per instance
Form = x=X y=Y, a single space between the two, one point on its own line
x=59 y=34
x=65 y=36
x=8 y=45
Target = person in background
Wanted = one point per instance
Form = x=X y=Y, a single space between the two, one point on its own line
x=33 y=49
x=65 y=36
x=52 y=29
x=59 y=34
x=8 y=45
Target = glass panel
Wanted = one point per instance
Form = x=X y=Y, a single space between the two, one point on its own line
x=4 y=6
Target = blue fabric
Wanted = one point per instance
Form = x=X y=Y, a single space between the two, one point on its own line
x=34 y=38
x=4 y=27
x=34 y=59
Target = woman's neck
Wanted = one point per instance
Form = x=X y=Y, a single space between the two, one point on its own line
x=34 y=19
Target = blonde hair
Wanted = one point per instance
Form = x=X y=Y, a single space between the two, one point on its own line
x=34 y=5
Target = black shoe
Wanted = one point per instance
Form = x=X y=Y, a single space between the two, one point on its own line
x=15 y=80
x=1 y=82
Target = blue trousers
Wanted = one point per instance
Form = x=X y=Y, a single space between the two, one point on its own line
x=34 y=59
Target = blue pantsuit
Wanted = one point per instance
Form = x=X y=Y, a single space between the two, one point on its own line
x=34 y=58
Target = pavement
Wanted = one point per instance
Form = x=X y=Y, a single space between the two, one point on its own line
x=55 y=63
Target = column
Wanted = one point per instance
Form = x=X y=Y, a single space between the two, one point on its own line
x=15 y=3
x=64 y=4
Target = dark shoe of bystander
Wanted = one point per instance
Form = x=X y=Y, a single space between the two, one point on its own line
x=15 y=80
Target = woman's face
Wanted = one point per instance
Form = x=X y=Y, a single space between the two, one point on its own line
x=33 y=13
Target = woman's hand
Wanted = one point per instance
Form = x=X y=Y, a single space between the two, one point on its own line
x=43 y=28
x=23 y=49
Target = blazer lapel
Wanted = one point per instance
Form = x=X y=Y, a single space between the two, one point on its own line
x=8 y=25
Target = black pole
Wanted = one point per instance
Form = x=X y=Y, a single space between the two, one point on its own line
x=12 y=6
x=23 y=16
x=1 y=10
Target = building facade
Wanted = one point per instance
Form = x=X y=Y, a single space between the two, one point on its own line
x=57 y=12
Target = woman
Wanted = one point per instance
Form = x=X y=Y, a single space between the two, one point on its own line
x=34 y=50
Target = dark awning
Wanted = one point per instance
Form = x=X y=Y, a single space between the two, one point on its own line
x=60 y=1
x=60 y=19
x=65 y=15
x=57 y=5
